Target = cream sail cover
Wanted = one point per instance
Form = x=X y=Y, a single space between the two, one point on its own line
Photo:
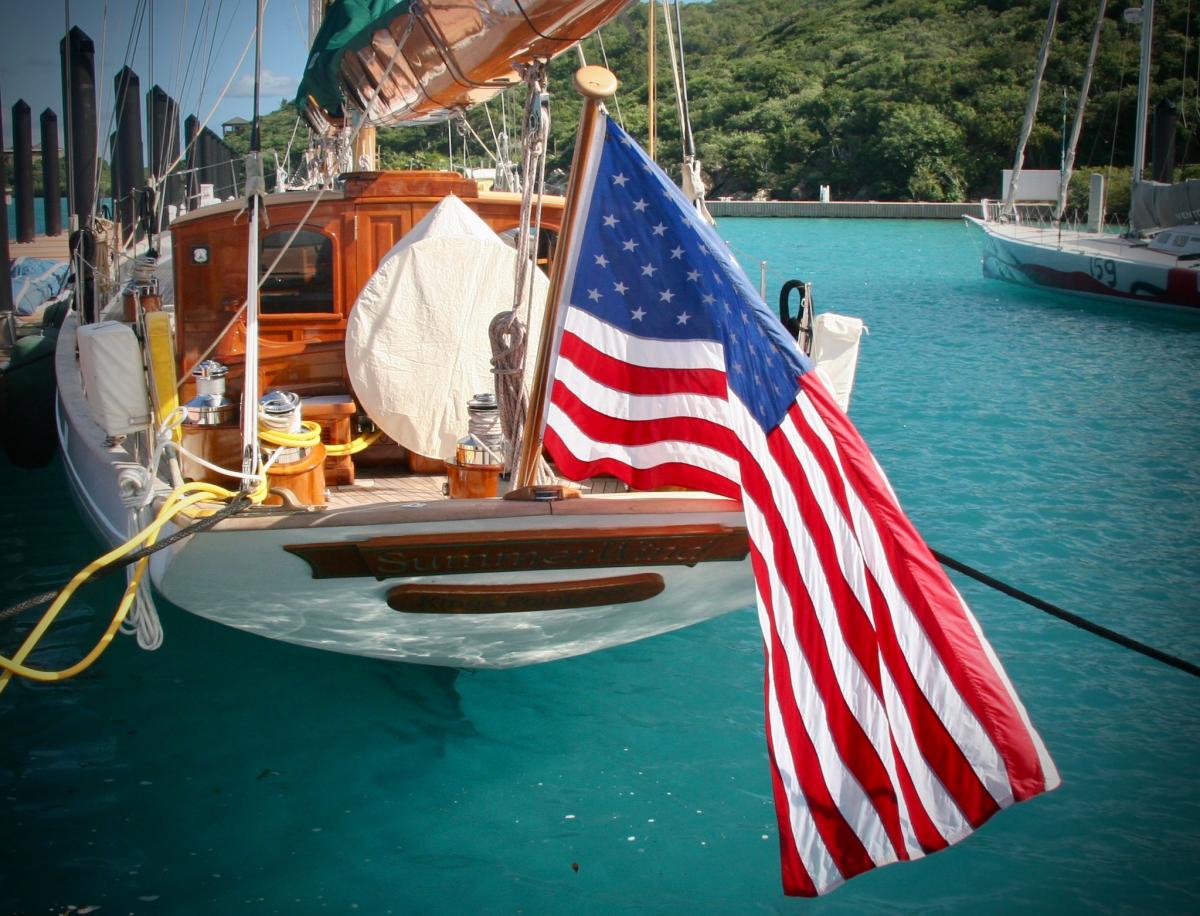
x=417 y=345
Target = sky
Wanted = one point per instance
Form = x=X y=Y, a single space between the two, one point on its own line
x=191 y=38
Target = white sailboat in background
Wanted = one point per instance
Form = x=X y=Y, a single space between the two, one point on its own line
x=1156 y=261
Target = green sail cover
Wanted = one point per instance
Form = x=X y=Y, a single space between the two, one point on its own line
x=348 y=26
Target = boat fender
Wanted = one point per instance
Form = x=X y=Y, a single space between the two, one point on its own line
x=114 y=378
x=161 y=361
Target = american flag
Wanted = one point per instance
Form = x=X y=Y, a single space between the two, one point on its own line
x=892 y=729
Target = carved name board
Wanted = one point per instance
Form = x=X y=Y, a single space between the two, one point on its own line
x=511 y=551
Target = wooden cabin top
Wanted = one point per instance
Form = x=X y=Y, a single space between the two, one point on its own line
x=305 y=303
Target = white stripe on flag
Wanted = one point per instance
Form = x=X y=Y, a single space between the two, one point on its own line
x=641 y=457
x=649 y=352
x=637 y=407
x=852 y=682
x=924 y=661
x=807 y=839
x=850 y=561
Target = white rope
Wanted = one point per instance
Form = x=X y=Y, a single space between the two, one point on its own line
x=507 y=332
x=616 y=98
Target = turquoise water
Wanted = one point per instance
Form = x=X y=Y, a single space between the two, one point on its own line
x=39 y=217
x=1049 y=441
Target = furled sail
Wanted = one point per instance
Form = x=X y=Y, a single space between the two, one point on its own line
x=419 y=61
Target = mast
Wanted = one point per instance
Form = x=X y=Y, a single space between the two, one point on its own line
x=68 y=124
x=1031 y=107
x=1143 y=96
x=254 y=189
x=595 y=84
x=316 y=15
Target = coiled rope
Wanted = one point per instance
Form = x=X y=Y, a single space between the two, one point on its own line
x=1074 y=619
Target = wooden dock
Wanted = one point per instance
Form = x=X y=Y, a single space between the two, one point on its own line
x=842 y=209
x=42 y=246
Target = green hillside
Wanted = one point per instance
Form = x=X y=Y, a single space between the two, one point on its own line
x=880 y=99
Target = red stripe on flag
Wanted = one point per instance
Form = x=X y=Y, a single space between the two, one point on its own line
x=854 y=624
x=944 y=756
x=839 y=840
x=938 y=747
x=854 y=748
x=796 y=879
x=935 y=603
x=616 y=373
x=601 y=427
x=662 y=475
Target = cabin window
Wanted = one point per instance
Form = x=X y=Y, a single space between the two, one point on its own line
x=302 y=281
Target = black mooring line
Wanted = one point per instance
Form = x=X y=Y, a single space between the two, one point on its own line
x=1119 y=638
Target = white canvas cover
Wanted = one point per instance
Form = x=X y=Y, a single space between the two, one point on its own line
x=835 y=351
x=417 y=344
x=1156 y=204
x=1033 y=185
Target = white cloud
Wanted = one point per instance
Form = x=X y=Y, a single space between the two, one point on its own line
x=274 y=86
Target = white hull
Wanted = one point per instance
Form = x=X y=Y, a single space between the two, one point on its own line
x=241 y=575
x=1092 y=264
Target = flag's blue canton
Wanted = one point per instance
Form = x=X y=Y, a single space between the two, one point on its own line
x=650 y=266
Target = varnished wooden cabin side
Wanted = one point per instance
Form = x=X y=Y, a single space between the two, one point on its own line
x=306 y=302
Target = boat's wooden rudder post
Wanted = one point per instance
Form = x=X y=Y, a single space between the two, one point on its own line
x=595 y=84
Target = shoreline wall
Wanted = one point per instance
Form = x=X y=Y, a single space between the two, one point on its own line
x=846 y=209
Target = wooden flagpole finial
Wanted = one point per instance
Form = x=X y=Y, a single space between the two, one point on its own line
x=595 y=82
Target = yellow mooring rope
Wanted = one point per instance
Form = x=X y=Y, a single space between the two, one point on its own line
x=311 y=435
x=182 y=501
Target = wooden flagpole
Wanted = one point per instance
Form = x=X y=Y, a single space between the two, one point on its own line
x=595 y=84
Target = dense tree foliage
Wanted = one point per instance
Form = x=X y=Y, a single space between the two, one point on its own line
x=880 y=99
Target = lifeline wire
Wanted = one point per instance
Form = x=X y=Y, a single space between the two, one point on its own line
x=1074 y=619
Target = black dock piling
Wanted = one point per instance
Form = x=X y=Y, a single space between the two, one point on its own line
x=6 y=303
x=225 y=170
x=79 y=111
x=51 y=185
x=209 y=159
x=162 y=122
x=22 y=135
x=1162 y=141
x=191 y=161
x=128 y=154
